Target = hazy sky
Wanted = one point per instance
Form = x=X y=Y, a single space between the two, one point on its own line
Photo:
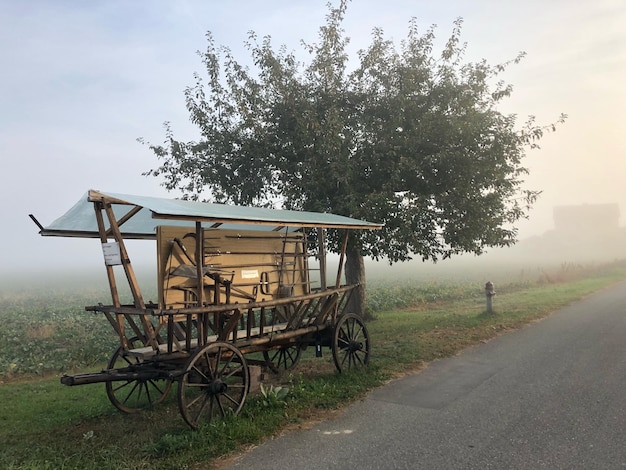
x=81 y=81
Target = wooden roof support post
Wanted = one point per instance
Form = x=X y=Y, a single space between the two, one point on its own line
x=307 y=274
x=148 y=329
x=128 y=269
x=200 y=263
x=115 y=297
x=341 y=260
x=322 y=254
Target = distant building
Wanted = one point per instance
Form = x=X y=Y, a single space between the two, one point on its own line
x=586 y=219
x=582 y=233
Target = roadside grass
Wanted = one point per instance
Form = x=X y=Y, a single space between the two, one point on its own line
x=44 y=425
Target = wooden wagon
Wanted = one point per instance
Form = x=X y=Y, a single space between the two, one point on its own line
x=237 y=286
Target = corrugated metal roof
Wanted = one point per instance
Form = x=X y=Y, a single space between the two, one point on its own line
x=80 y=220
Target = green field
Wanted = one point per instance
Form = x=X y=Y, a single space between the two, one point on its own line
x=44 y=424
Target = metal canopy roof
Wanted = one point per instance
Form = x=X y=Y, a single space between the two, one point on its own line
x=80 y=220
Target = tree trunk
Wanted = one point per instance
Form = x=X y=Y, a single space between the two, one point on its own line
x=355 y=274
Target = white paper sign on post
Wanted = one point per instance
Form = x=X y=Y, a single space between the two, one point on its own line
x=112 y=255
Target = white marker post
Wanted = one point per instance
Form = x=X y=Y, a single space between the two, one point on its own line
x=489 y=293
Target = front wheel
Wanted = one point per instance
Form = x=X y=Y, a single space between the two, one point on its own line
x=215 y=384
x=351 y=343
x=134 y=395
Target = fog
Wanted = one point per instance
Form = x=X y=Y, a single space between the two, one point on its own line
x=585 y=236
x=82 y=81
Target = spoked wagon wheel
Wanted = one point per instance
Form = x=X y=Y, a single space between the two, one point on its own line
x=351 y=343
x=215 y=384
x=134 y=395
x=283 y=358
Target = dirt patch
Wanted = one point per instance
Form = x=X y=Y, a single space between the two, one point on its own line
x=41 y=331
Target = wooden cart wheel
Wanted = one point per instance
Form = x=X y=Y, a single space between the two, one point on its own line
x=284 y=358
x=215 y=384
x=351 y=343
x=133 y=396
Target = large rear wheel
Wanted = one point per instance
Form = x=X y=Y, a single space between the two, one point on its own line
x=351 y=343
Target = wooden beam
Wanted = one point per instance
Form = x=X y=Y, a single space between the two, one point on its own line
x=104 y=239
x=128 y=269
x=126 y=217
x=200 y=263
x=321 y=240
x=278 y=224
x=341 y=260
x=130 y=275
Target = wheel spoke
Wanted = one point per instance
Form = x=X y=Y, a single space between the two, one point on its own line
x=221 y=407
x=218 y=359
x=121 y=386
x=232 y=372
x=211 y=403
x=357 y=357
x=226 y=365
x=211 y=371
x=201 y=373
x=195 y=385
x=195 y=400
x=131 y=392
x=147 y=385
x=205 y=398
x=234 y=401
x=345 y=356
x=283 y=358
x=156 y=386
x=127 y=361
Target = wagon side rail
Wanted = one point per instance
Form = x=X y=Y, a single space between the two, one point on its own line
x=251 y=326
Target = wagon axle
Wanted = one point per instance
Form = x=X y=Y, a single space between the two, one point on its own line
x=354 y=346
x=217 y=387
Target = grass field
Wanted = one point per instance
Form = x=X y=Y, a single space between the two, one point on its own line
x=46 y=425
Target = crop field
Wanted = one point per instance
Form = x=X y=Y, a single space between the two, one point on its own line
x=48 y=330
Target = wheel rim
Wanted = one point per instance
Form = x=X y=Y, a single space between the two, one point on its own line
x=133 y=396
x=351 y=344
x=215 y=384
x=284 y=358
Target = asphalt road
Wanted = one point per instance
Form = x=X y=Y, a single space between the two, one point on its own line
x=551 y=395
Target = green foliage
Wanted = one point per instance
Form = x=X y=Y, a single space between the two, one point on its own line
x=273 y=396
x=409 y=294
x=405 y=136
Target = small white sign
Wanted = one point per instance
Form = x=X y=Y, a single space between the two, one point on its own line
x=249 y=273
x=112 y=255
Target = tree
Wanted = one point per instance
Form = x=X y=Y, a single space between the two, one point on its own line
x=406 y=137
